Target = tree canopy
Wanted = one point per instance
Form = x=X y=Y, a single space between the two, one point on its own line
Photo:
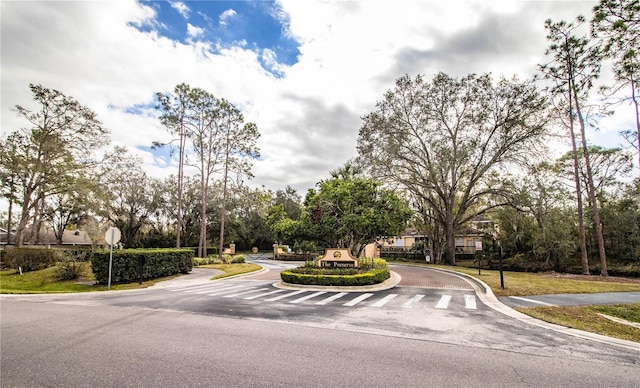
x=448 y=142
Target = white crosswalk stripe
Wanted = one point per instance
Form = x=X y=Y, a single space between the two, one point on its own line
x=413 y=301
x=470 y=302
x=443 y=303
x=384 y=300
x=265 y=294
x=357 y=300
x=285 y=296
x=219 y=291
x=307 y=297
x=248 y=291
x=332 y=298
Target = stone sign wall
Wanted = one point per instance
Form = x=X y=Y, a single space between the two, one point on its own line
x=337 y=258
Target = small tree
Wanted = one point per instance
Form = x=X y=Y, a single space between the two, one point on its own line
x=348 y=213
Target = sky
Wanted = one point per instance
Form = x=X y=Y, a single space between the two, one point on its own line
x=305 y=72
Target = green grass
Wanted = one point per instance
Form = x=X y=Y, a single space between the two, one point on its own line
x=527 y=284
x=45 y=281
x=586 y=318
x=232 y=269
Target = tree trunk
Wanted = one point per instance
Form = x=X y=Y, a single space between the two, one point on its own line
x=450 y=251
x=223 y=211
x=635 y=103
x=576 y=174
x=9 y=217
x=180 y=179
x=592 y=192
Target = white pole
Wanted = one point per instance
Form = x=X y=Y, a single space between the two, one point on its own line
x=110 y=257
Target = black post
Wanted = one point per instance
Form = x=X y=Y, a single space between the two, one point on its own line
x=500 y=265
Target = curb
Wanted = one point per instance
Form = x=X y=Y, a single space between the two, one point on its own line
x=484 y=292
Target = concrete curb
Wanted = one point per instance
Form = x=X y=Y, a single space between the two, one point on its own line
x=484 y=292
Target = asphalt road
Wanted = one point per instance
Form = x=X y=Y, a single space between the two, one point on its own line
x=192 y=333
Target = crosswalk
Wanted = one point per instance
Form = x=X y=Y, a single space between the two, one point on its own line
x=268 y=293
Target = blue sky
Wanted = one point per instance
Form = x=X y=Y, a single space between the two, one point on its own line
x=305 y=71
x=259 y=25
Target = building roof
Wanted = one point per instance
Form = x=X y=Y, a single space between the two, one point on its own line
x=69 y=237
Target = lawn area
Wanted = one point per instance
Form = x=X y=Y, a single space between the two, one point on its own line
x=527 y=283
x=232 y=269
x=586 y=318
x=46 y=281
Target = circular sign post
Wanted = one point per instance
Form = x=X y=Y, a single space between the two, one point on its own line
x=112 y=236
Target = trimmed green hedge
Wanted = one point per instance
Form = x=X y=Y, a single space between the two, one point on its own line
x=126 y=269
x=30 y=259
x=362 y=279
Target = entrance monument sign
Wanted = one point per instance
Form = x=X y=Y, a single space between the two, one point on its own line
x=337 y=258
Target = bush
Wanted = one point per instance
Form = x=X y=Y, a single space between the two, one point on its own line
x=371 y=271
x=360 y=279
x=30 y=259
x=213 y=259
x=69 y=269
x=126 y=264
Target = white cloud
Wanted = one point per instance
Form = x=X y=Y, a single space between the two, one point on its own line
x=181 y=7
x=226 y=15
x=194 y=31
x=350 y=54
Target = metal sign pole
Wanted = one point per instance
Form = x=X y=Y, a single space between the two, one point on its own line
x=110 y=257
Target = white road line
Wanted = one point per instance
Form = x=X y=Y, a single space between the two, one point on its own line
x=197 y=287
x=264 y=294
x=470 y=302
x=532 y=301
x=357 y=300
x=307 y=297
x=332 y=298
x=412 y=301
x=249 y=291
x=285 y=295
x=384 y=300
x=443 y=303
x=219 y=291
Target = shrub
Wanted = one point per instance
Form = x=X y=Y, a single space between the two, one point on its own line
x=69 y=269
x=360 y=279
x=30 y=259
x=126 y=264
x=370 y=271
x=213 y=259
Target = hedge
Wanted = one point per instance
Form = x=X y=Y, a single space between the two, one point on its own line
x=30 y=259
x=363 y=279
x=125 y=268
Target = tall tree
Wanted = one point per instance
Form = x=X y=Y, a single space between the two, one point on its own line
x=448 y=142
x=175 y=117
x=617 y=24
x=574 y=66
x=239 y=147
x=63 y=141
x=208 y=141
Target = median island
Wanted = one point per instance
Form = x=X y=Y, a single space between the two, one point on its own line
x=338 y=268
